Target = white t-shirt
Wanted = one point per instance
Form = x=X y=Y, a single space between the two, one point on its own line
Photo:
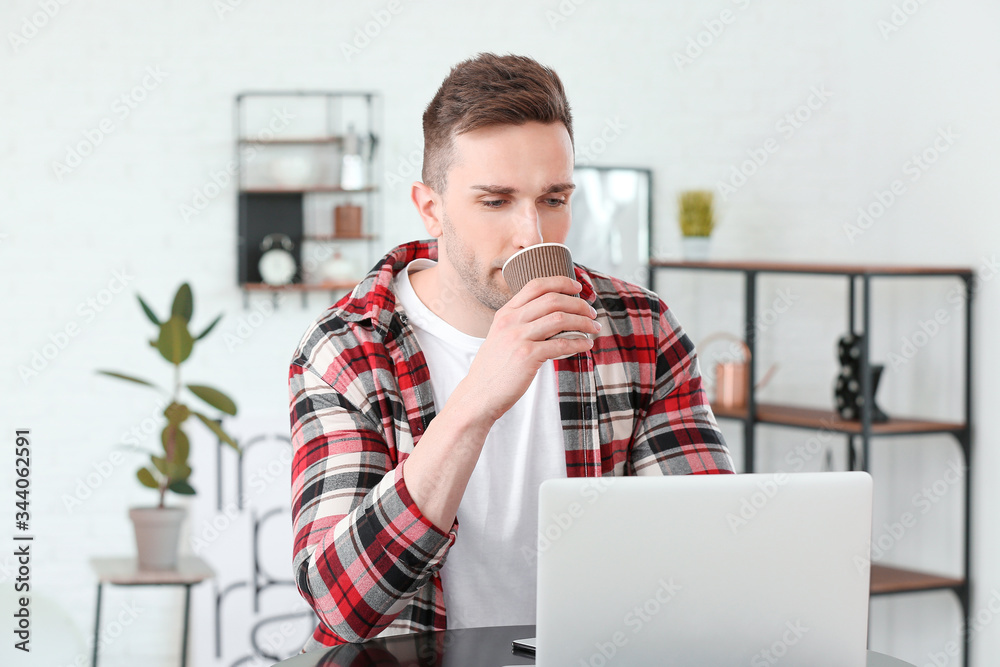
x=489 y=575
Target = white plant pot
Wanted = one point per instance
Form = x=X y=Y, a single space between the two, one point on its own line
x=157 y=533
x=695 y=248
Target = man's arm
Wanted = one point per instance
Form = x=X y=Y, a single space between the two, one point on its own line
x=366 y=536
x=362 y=547
x=677 y=434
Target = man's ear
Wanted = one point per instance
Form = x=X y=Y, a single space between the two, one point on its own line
x=428 y=204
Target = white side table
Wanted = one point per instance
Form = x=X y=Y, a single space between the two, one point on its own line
x=125 y=572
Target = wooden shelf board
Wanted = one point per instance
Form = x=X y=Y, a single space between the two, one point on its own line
x=805 y=267
x=296 y=142
x=729 y=413
x=804 y=417
x=887 y=579
x=302 y=287
x=275 y=190
x=337 y=239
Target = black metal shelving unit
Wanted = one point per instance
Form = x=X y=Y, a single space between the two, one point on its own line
x=267 y=209
x=885 y=580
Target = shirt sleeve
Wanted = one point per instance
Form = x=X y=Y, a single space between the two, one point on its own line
x=677 y=434
x=362 y=548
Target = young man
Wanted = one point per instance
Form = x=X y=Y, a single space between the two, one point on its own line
x=429 y=404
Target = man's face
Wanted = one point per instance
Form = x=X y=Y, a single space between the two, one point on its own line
x=508 y=188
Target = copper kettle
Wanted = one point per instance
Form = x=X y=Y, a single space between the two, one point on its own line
x=732 y=378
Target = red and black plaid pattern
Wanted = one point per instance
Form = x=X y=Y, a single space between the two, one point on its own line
x=364 y=556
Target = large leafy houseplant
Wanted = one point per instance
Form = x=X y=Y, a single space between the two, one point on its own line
x=157 y=529
x=170 y=470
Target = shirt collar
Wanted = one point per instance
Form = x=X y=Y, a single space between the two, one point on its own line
x=373 y=299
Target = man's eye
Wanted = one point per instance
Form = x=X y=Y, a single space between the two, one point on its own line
x=493 y=203
x=555 y=203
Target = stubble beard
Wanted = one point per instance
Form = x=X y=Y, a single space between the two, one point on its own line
x=477 y=281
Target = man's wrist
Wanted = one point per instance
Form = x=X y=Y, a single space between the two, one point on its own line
x=468 y=406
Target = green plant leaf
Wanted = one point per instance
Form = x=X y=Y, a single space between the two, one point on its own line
x=175 y=342
x=122 y=376
x=172 y=471
x=149 y=311
x=182 y=487
x=181 y=443
x=161 y=464
x=182 y=446
x=176 y=413
x=183 y=303
x=178 y=472
x=208 y=328
x=217 y=430
x=214 y=397
x=146 y=478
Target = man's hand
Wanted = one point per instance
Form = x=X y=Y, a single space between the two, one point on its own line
x=438 y=470
x=517 y=346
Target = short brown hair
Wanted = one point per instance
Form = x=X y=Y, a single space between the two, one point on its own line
x=483 y=91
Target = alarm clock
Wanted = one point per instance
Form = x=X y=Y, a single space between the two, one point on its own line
x=277 y=265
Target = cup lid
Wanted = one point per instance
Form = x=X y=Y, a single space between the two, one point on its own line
x=537 y=245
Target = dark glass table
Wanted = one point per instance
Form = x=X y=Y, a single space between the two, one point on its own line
x=474 y=647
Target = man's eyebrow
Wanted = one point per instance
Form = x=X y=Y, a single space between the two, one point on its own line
x=508 y=190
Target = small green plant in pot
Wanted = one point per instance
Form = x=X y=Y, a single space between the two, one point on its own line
x=157 y=528
x=697 y=219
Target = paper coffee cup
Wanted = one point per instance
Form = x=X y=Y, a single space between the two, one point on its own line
x=540 y=261
x=537 y=261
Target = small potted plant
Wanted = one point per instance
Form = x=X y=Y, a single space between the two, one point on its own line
x=697 y=218
x=157 y=529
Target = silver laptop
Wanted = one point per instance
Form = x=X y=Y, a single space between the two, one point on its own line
x=753 y=569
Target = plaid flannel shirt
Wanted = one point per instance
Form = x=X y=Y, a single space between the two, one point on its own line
x=364 y=557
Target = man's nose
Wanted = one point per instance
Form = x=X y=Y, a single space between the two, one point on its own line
x=529 y=231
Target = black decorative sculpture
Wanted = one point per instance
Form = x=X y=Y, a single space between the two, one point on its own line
x=847 y=392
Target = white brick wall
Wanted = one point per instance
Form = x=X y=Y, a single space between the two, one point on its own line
x=61 y=240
